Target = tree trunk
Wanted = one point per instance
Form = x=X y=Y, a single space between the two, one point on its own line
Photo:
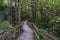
x=16 y=15
x=19 y=11
x=34 y=9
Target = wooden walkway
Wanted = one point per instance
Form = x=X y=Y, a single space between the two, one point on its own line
x=30 y=32
x=27 y=33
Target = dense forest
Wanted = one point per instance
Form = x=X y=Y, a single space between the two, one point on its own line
x=44 y=13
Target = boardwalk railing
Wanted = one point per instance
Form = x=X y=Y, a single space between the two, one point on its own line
x=39 y=33
x=11 y=34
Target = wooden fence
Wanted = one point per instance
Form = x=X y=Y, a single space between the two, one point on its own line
x=38 y=33
x=11 y=34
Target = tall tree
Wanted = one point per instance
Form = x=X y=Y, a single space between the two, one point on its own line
x=19 y=11
x=16 y=15
x=34 y=9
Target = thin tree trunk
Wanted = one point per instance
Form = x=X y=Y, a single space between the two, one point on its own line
x=34 y=9
x=16 y=15
x=19 y=11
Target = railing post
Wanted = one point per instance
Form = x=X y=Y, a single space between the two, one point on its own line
x=36 y=35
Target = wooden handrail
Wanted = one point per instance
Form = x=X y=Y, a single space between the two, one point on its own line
x=40 y=32
x=5 y=31
x=12 y=33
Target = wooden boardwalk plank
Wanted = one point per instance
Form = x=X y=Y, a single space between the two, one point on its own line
x=27 y=34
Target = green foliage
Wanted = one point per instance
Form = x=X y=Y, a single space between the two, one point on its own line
x=50 y=16
x=5 y=25
x=5 y=16
x=46 y=14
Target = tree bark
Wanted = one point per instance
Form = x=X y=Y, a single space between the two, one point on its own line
x=19 y=11
x=16 y=15
x=34 y=9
